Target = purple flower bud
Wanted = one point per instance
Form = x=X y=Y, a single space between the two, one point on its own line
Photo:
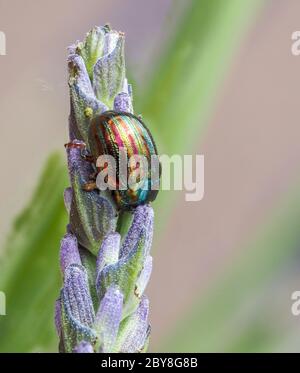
x=76 y=295
x=77 y=308
x=142 y=226
x=108 y=318
x=123 y=102
x=83 y=348
x=109 y=251
x=135 y=329
x=69 y=253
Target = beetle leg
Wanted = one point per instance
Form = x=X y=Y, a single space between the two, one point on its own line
x=90 y=186
x=80 y=145
x=76 y=145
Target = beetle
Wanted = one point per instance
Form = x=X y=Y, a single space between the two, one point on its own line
x=112 y=131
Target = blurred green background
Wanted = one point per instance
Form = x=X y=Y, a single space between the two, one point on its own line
x=213 y=77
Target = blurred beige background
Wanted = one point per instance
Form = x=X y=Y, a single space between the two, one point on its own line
x=252 y=156
x=251 y=146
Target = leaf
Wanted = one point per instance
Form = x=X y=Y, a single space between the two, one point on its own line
x=29 y=266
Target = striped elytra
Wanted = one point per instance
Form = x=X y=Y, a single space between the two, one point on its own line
x=112 y=131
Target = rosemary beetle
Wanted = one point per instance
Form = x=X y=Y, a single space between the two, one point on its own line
x=112 y=132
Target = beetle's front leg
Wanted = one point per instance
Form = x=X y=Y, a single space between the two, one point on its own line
x=84 y=152
x=75 y=145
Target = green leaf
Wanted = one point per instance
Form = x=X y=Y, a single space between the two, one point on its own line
x=29 y=266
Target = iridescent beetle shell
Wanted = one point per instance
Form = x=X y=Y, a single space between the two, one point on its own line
x=111 y=131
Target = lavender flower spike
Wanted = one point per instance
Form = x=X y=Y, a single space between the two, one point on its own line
x=102 y=306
